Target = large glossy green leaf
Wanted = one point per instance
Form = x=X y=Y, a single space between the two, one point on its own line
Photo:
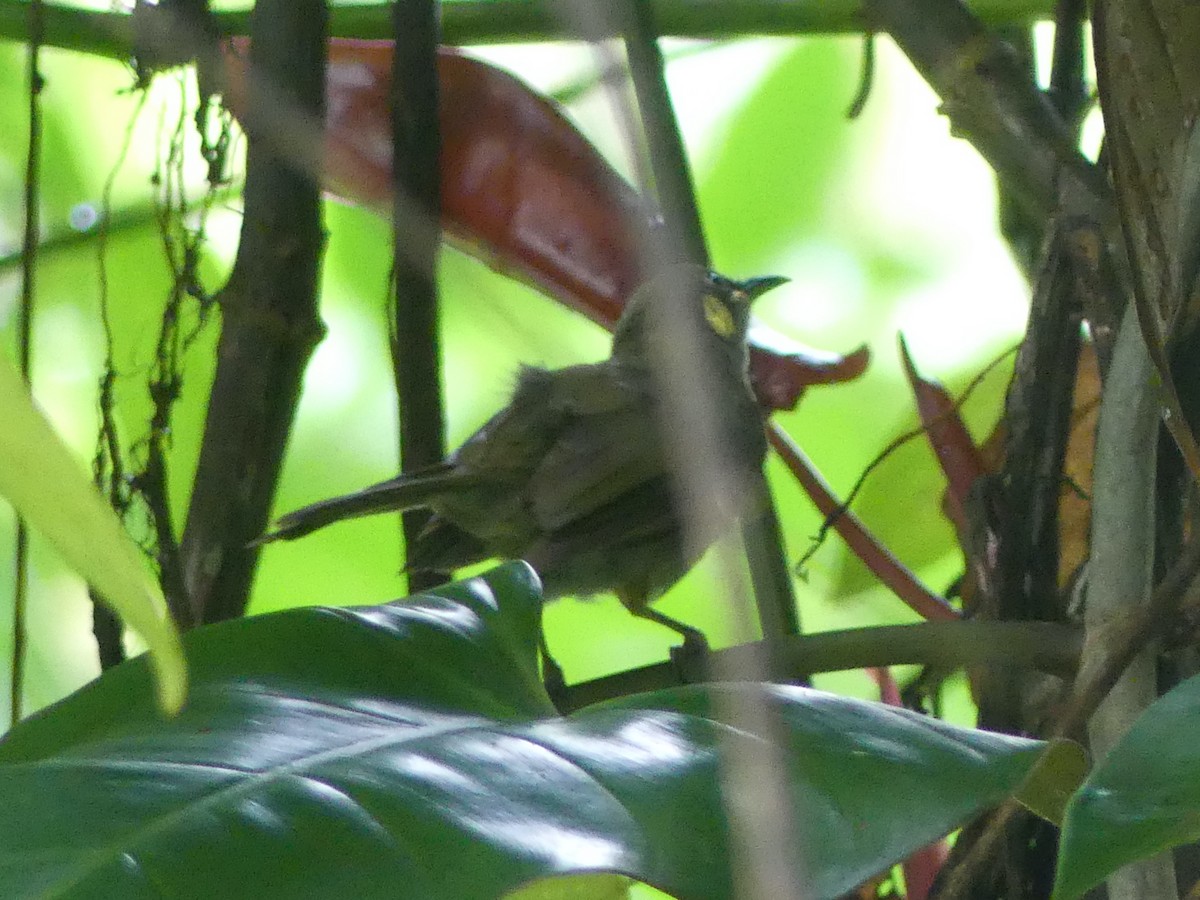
x=46 y=485
x=409 y=750
x=1142 y=799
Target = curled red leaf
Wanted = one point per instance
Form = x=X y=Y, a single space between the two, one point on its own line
x=523 y=190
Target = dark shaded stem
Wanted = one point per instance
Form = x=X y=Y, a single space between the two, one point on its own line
x=1068 y=72
x=269 y=308
x=1125 y=640
x=1019 y=519
x=25 y=340
x=1041 y=646
x=415 y=338
x=111 y=34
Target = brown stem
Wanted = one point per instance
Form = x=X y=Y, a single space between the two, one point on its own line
x=893 y=573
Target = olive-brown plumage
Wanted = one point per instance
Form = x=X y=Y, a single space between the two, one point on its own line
x=572 y=475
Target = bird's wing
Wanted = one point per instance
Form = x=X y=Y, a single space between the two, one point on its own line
x=596 y=460
x=515 y=437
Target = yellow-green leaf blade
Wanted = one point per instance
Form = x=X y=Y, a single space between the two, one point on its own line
x=45 y=485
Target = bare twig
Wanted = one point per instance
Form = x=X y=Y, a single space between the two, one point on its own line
x=25 y=340
x=833 y=514
x=1042 y=646
x=415 y=339
x=889 y=570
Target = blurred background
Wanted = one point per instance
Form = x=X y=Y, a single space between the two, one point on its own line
x=883 y=224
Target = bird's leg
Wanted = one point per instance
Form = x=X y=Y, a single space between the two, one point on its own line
x=695 y=644
x=694 y=640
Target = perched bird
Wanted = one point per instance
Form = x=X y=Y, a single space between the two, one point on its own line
x=572 y=475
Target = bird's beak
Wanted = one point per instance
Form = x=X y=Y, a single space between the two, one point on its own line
x=756 y=287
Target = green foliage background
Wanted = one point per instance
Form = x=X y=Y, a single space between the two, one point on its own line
x=786 y=185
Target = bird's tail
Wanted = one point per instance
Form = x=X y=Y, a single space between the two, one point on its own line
x=395 y=495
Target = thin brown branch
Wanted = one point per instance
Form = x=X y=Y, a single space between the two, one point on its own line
x=415 y=338
x=889 y=570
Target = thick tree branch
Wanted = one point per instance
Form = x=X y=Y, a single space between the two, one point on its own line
x=269 y=308
x=991 y=102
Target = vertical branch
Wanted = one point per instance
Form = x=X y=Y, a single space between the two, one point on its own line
x=24 y=341
x=713 y=483
x=1121 y=567
x=415 y=342
x=1068 y=90
x=108 y=467
x=676 y=193
x=269 y=308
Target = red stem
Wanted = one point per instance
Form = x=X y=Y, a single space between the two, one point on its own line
x=898 y=577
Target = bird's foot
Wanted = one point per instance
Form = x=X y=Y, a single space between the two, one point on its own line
x=689 y=658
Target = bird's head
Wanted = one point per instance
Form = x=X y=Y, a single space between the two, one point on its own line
x=719 y=306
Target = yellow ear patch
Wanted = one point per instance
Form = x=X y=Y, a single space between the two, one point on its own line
x=720 y=319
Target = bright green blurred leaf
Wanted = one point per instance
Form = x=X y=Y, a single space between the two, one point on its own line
x=574 y=887
x=43 y=482
x=371 y=752
x=769 y=183
x=1142 y=799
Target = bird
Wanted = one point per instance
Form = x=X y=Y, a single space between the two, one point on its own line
x=573 y=475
